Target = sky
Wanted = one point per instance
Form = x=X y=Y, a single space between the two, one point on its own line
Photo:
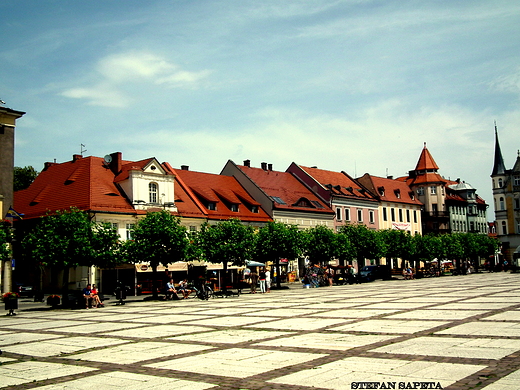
x=349 y=85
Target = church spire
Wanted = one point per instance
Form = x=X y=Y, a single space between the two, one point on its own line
x=499 y=166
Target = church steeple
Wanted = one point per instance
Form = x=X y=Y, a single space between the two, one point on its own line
x=499 y=166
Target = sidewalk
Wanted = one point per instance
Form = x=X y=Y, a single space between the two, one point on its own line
x=448 y=332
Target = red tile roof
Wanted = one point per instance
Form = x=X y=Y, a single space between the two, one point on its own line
x=426 y=161
x=339 y=183
x=287 y=188
x=224 y=191
x=389 y=190
x=84 y=183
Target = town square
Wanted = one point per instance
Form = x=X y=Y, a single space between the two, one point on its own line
x=456 y=332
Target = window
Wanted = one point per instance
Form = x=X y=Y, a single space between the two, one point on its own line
x=360 y=215
x=518 y=227
x=129 y=230
x=516 y=181
x=433 y=190
x=254 y=209
x=234 y=208
x=212 y=206
x=407 y=215
x=317 y=204
x=385 y=217
x=392 y=213
x=504 y=228
x=338 y=213
x=420 y=191
x=502 y=204
x=152 y=189
x=371 y=217
x=278 y=200
x=415 y=216
x=347 y=214
x=517 y=203
x=400 y=215
x=193 y=228
x=114 y=225
x=500 y=183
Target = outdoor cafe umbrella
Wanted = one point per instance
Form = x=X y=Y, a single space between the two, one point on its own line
x=251 y=263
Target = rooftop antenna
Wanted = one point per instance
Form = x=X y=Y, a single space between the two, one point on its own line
x=355 y=168
x=82 y=150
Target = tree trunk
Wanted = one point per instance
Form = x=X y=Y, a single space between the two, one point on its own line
x=155 y=293
x=65 y=288
x=278 y=275
x=224 y=277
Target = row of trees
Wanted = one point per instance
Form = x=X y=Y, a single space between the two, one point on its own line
x=70 y=239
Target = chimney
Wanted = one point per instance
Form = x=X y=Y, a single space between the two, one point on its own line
x=390 y=177
x=185 y=167
x=76 y=157
x=458 y=180
x=264 y=166
x=116 y=163
x=47 y=165
x=247 y=163
x=270 y=167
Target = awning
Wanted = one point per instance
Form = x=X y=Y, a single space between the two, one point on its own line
x=180 y=266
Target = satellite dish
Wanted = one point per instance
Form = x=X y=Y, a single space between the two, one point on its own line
x=108 y=158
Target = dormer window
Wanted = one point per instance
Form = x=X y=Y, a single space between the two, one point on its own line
x=381 y=190
x=234 y=207
x=153 y=190
x=212 y=206
x=397 y=194
x=254 y=209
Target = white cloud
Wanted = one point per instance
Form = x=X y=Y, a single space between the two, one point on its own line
x=115 y=75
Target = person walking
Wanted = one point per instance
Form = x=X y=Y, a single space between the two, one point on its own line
x=261 y=277
x=254 y=281
x=268 y=280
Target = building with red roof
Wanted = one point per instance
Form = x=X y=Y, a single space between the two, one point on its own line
x=399 y=208
x=282 y=195
x=449 y=206
x=349 y=199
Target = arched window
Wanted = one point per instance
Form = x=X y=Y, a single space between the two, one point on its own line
x=502 y=204
x=500 y=183
x=152 y=189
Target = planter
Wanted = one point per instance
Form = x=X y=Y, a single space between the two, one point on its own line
x=11 y=304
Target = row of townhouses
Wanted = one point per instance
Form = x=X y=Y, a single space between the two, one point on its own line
x=120 y=192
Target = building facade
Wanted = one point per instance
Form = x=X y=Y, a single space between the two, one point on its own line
x=506 y=198
x=350 y=200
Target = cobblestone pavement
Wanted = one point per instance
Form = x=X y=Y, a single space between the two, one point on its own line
x=456 y=332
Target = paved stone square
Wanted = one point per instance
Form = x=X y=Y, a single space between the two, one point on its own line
x=460 y=332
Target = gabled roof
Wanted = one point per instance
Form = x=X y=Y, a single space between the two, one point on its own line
x=389 y=190
x=85 y=183
x=224 y=191
x=339 y=184
x=286 y=191
x=426 y=161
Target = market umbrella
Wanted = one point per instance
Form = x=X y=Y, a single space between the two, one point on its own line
x=250 y=263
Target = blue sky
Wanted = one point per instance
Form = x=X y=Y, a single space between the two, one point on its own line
x=344 y=85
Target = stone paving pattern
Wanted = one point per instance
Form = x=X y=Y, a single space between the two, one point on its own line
x=462 y=332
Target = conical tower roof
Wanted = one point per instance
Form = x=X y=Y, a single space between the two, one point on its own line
x=426 y=161
x=499 y=167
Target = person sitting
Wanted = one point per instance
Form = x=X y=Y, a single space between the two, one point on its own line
x=183 y=288
x=170 y=289
x=87 y=294
x=94 y=293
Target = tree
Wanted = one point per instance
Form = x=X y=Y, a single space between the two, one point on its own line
x=68 y=239
x=397 y=244
x=367 y=244
x=23 y=177
x=159 y=238
x=5 y=240
x=321 y=244
x=278 y=240
x=227 y=241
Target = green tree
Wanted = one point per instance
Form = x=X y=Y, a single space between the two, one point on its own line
x=68 y=239
x=427 y=248
x=397 y=244
x=321 y=244
x=227 y=241
x=278 y=240
x=5 y=240
x=158 y=238
x=366 y=243
x=23 y=177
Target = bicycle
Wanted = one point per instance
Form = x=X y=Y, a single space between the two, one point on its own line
x=203 y=292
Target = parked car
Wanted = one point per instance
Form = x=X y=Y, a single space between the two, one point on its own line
x=23 y=290
x=372 y=272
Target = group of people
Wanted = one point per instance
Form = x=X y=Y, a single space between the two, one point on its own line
x=182 y=288
x=262 y=279
x=91 y=295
